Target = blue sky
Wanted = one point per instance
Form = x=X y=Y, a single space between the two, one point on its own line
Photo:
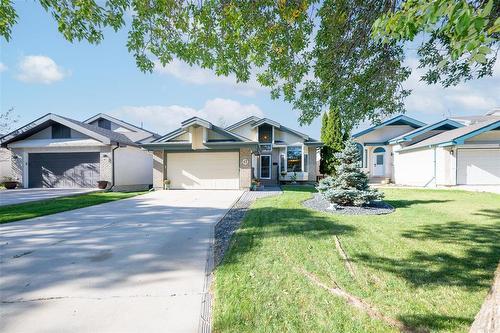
x=40 y=72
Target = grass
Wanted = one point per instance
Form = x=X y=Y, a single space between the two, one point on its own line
x=429 y=264
x=30 y=210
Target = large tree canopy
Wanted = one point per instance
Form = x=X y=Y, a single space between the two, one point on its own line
x=314 y=54
x=461 y=36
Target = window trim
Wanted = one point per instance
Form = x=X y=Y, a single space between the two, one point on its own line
x=270 y=167
x=301 y=158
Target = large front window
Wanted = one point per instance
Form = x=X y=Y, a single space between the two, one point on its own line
x=294 y=159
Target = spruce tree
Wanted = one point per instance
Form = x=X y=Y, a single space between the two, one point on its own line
x=350 y=186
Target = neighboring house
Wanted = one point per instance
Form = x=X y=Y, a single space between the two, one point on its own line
x=5 y=163
x=458 y=151
x=56 y=151
x=374 y=147
x=200 y=155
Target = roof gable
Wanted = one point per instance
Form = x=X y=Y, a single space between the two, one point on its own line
x=458 y=136
x=92 y=131
x=398 y=120
x=117 y=121
x=445 y=124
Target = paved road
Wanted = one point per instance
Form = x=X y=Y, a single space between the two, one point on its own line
x=10 y=197
x=135 y=265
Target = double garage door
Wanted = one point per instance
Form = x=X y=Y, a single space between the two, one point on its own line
x=203 y=170
x=63 y=170
x=478 y=166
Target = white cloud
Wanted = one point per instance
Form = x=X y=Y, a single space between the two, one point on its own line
x=162 y=119
x=473 y=97
x=200 y=76
x=40 y=69
x=3 y=67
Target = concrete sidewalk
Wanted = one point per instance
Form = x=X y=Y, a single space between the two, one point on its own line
x=134 y=265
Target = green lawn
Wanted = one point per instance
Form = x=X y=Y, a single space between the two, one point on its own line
x=429 y=265
x=29 y=210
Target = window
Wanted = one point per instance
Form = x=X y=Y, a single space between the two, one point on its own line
x=266 y=147
x=379 y=150
x=60 y=132
x=360 y=154
x=380 y=159
x=104 y=123
x=306 y=160
x=282 y=163
x=294 y=159
x=266 y=134
x=366 y=159
x=265 y=166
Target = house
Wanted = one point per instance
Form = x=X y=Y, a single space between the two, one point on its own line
x=375 y=150
x=201 y=155
x=456 y=151
x=56 y=151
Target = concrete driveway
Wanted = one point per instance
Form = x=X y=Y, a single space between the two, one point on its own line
x=134 y=265
x=10 y=197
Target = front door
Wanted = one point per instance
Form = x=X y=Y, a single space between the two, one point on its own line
x=265 y=166
x=378 y=164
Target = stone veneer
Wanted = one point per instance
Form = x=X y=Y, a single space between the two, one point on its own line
x=245 y=168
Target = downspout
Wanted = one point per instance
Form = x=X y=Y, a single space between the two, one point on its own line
x=113 y=166
x=435 y=168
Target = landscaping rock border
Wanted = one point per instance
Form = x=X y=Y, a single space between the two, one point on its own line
x=318 y=203
x=226 y=227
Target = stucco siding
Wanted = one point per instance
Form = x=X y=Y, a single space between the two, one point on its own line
x=159 y=168
x=133 y=166
x=384 y=134
x=246 y=131
x=415 y=167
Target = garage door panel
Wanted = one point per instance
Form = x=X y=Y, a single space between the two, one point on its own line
x=478 y=166
x=203 y=170
x=64 y=170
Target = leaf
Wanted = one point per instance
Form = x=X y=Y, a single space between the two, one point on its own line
x=487 y=9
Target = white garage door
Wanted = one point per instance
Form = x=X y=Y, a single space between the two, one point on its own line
x=478 y=166
x=203 y=170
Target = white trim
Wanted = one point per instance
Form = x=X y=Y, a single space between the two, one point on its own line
x=260 y=167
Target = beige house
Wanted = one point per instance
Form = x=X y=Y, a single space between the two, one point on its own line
x=458 y=151
x=200 y=155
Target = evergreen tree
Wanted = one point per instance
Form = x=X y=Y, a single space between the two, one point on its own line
x=325 y=153
x=350 y=186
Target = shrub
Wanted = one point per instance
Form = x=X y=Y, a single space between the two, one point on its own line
x=350 y=186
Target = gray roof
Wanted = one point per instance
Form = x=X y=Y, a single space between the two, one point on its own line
x=450 y=136
x=50 y=118
x=113 y=136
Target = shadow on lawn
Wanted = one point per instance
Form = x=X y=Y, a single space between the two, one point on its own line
x=410 y=203
x=435 y=322
x=492 y=213
x=269 y=222
x=473 y=269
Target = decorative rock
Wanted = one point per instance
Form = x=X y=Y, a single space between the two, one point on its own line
x=320 y=204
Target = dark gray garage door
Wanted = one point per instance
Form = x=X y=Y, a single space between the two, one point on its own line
x=63 y=170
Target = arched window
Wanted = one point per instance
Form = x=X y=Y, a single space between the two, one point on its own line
x=360 y=153
x=379 y=150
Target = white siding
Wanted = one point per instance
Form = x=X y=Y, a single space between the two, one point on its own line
x=384 y=134
x=133 y=166
x=414 y=167
x=246 y=131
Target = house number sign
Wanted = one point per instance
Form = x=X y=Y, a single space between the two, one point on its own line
x=245 y=161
